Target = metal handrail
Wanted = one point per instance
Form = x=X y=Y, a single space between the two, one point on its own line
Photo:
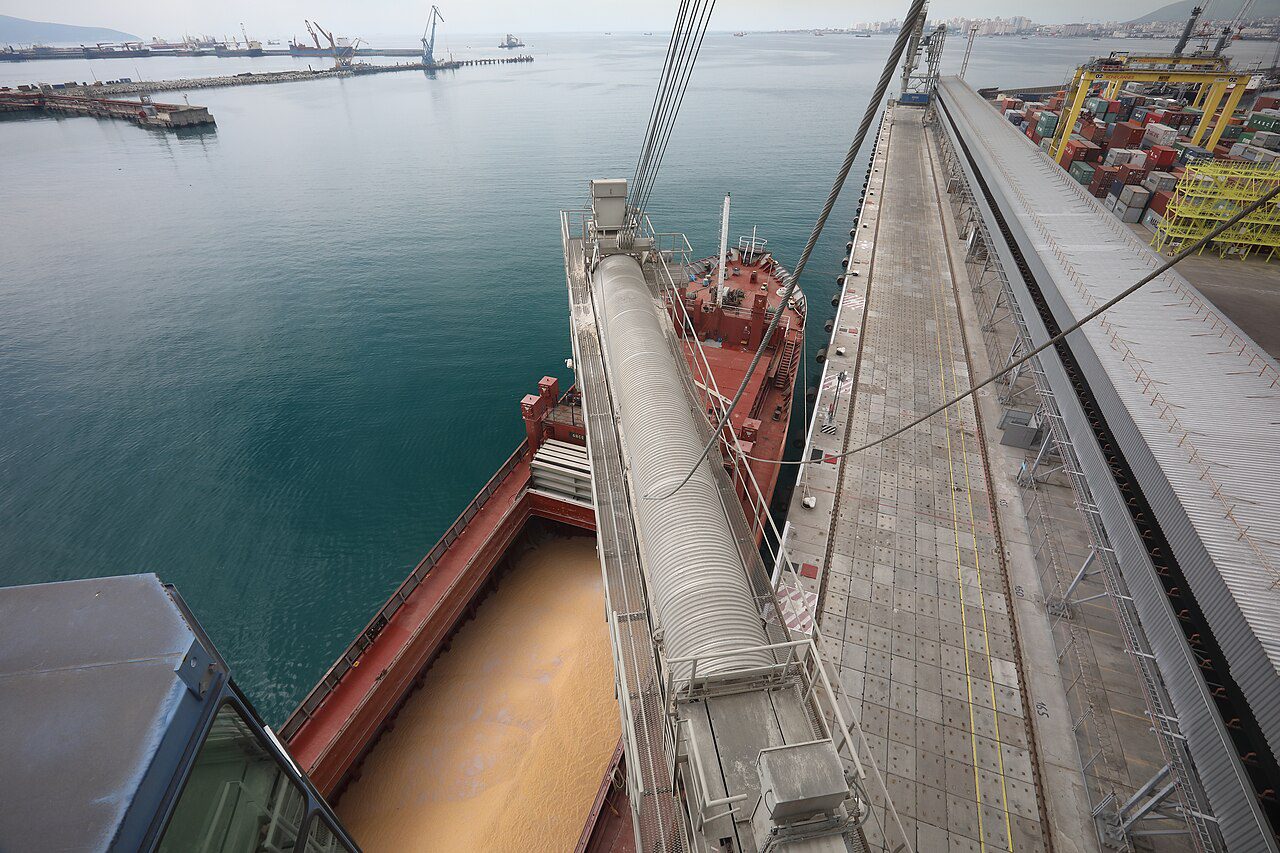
x=364 y=640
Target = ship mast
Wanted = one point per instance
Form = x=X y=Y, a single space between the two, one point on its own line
x=724 y=248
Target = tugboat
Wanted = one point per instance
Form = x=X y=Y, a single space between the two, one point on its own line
x=510 y=42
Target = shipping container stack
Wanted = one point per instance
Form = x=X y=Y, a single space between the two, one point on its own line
x=1131 y=152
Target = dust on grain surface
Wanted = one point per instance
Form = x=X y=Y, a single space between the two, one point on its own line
x=505 y=744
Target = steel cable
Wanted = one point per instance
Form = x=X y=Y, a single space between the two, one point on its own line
x=682 y=53
x=660 y=97
x=701 y=29
x=873 y=108
x=1056 y=339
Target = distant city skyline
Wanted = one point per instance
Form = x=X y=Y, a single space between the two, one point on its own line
x=148 y=18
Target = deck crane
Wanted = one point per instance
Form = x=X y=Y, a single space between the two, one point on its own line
x=429 y=41
x=315 y=38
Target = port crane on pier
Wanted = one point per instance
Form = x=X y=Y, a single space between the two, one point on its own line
x=429 y=40
x=342 y=53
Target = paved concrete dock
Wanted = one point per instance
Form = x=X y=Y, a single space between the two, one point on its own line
x=902 y=546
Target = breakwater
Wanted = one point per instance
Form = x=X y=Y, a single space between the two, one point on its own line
x=138 y=87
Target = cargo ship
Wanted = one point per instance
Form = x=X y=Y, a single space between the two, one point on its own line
x=186 y=759
x=720 y=313
x=511 y=42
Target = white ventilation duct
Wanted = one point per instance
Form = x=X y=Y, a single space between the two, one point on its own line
x=698 y=587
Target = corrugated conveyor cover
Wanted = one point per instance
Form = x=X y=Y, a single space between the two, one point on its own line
x=697 y=584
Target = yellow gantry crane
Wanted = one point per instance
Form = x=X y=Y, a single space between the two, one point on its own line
x=1216 y=83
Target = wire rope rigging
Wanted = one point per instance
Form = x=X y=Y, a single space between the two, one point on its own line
x=868 y=118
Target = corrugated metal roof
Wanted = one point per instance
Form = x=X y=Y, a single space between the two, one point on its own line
x=1204 y=395
x=1202 y=398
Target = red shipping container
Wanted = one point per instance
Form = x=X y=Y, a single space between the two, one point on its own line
x=1266 y=102
x=1127 y=134
x=1160 y=201
x=1161 y=156
x=1090 y=152
x=1131 y=174
x=1102 y=178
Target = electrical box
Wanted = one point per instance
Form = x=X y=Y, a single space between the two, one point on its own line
x=802 y=781
x=1021 y=429
x=609 y=203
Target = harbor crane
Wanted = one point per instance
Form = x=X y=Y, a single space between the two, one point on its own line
x=429 y=40
x=342 y=53
x=968 y=50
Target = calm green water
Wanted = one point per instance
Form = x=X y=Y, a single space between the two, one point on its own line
x=273 y=362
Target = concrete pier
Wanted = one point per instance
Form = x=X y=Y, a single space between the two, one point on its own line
x=145 y=113
x=138 y=87
x=902 y=547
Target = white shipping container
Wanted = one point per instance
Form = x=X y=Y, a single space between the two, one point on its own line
x=1160 y=181
x=1134 y=195
x=1151 y=220
x=1159 y=134
x=1266 y=139
x=1117 y=157
x=1259 y=155
x=1130 y=214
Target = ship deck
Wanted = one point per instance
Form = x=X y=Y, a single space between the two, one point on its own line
x=903 y=548
x=729 y=336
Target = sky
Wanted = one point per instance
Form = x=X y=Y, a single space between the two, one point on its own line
x=282 y=18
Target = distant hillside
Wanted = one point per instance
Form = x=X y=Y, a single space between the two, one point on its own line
x=22 y=31
x=1219 y=10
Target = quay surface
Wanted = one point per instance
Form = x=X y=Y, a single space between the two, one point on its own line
x=902 y=550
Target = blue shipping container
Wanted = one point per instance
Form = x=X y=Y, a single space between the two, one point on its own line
x=914 y=98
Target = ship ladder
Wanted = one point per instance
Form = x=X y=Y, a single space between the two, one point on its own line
x=786 y=365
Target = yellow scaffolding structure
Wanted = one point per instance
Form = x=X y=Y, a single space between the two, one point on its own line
x=1216 y=85
x=1211 y=192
